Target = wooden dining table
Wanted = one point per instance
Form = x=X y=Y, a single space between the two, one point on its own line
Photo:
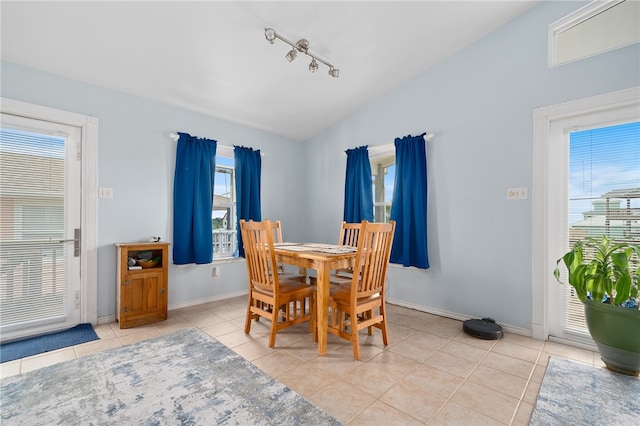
x=323 y=258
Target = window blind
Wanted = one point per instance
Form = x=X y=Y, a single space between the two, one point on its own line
x=32 y=211
x=604 y=193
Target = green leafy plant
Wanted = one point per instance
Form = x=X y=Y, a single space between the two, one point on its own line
x=610 y=276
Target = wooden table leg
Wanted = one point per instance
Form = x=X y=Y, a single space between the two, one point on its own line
x=322 y=307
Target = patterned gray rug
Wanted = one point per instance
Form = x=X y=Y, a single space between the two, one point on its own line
x=573 y=393
x=185 y=378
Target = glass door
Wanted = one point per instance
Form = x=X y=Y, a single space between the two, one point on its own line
x=600 y=195
x=603 y=195
x=40 y=194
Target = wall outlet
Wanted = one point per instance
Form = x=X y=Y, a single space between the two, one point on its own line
x=105 y=192
x=215 y=272
x=517 y=194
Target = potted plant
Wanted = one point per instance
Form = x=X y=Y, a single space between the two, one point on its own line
x=606 y=282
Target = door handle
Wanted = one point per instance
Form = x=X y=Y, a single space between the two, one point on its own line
x=76 y=242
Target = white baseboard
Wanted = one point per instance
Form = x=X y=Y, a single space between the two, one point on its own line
x=112 y=318
x=434 y=311
x=207 y=300
x=106 y=320
x=457 y=316
x=537 y=332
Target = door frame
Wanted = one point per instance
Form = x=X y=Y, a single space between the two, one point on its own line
x=546 y=168
x=89 y=194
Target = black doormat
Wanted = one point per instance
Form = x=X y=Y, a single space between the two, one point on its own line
x=81 y=333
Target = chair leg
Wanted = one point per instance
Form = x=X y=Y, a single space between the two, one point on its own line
x=355 y=341
x=368 y=315
x=340 y=320
x=247 y=321
x=274 y=325
x=383 y=325
x=314 y=310
x=312 y=313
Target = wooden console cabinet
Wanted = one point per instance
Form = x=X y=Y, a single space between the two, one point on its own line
x=141 y=293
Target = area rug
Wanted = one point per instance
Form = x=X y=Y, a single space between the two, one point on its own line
x=185 y=378
x=573 y=393
x=81 y=333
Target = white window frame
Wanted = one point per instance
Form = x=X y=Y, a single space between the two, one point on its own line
x=573 y=20
x=550 y=165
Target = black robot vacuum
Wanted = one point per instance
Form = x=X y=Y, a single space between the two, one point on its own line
x=484 y=328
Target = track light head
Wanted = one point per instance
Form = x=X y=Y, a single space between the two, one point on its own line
x=313 y=66
x=334 y=72
x=270 y=35
x=291 y=55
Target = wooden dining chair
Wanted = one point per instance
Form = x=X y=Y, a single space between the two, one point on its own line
x=283 y=302
x=276 y=226
x=349 y=233
x=349 y=237
x=362 y=304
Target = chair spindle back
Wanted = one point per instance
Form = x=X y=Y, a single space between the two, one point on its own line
x=257 y=238
x=372 y=258
x=349 y=234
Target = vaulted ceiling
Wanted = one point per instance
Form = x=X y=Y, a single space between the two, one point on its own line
x=212 y=56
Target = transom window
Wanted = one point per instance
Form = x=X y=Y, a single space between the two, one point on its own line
x=595 y=28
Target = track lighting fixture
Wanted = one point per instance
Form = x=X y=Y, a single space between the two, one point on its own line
x=301 y=46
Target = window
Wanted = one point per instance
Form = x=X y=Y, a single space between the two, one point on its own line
x=383 y=170
x=598 y=27
x=604 y=192
x=223 y=216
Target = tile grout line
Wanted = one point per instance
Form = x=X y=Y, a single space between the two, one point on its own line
x=526 y=386
x=464 y=380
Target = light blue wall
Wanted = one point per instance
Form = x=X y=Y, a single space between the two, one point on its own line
x=136 y=158
x=480 y=104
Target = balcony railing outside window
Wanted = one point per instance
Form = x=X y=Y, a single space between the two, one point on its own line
x=224 y=242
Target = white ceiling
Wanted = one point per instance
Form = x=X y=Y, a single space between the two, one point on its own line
x=212 y=56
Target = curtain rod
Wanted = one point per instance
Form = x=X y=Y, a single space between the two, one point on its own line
x=174 y=137
x=388 y=149
x=428 y=137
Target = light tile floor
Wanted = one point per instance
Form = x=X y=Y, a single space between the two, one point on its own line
x=431 y=372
